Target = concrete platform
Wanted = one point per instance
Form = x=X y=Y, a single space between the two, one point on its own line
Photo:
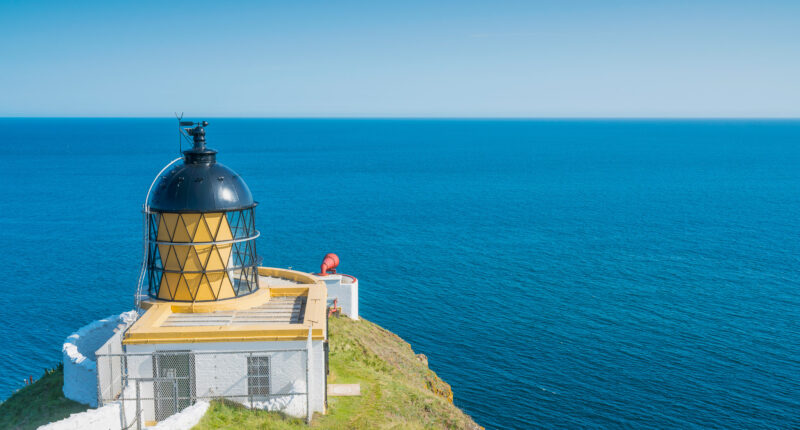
x=341 y=390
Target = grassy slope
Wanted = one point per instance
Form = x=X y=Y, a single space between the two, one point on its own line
x=398 y=391
x=39 y=403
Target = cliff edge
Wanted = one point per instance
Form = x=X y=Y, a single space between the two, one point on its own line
x=398 y=390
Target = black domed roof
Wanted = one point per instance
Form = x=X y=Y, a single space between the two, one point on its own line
x=200 y=184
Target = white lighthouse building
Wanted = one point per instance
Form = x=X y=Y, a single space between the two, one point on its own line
x=212 y=322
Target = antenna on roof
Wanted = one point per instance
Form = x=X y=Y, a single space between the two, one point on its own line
x=181 y=135
x=196 y=132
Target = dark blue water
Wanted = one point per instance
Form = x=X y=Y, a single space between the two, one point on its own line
x=557 y=273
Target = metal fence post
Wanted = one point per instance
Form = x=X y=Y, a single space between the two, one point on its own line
x=193 y=379
x=175 y=391
x=138 y=407
x=308 y=377
x=110 y=372
x=124 y=364
x=249 y=392
x=122 y=407
x=122 y=419
x=97 y=376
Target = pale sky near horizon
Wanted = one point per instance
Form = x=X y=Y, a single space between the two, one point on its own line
x=401 y=58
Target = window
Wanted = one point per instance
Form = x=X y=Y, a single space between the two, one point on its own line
x=258 y=376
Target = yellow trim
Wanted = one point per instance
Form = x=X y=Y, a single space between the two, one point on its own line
x=254 y=333
x=148 y=329
x=292 y=275
x=245 y=302
x=288 y=291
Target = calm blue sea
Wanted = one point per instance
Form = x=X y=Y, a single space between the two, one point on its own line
x=561 y=274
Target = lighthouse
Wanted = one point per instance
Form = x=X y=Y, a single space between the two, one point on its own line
x=201 y=230
x=210 y=321
x=215 y=323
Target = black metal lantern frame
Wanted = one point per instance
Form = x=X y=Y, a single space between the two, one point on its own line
x=241 y=267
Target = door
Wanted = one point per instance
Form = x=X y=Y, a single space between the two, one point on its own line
x=173 y=385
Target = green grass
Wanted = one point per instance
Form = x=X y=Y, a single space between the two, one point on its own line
x=39 y=403
x=398 y=391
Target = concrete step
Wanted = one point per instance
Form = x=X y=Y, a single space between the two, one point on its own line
x=341 y=390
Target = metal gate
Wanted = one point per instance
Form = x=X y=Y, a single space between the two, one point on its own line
x=158 y=384
x=173 y=385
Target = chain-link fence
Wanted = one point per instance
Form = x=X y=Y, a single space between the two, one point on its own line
x=110 y=375
x=153 y=386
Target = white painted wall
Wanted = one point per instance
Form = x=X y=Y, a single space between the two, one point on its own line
x=109 y=367
x=318 y=377
x=109 y=417
x=185 y=419
x=225 y=375
x=345 y=289
x=215 y=375
x=141 y=366
x=78 y=355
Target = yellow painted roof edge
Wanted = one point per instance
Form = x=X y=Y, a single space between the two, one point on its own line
x=148 y=330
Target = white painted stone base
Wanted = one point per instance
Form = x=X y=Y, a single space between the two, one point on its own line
x=109 y=417
x=185 y=419
x=78 y=355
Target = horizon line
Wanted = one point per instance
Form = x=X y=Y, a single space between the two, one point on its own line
x=522 y=118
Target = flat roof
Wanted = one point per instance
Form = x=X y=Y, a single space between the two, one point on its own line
x=287 y=303
x=278 y=310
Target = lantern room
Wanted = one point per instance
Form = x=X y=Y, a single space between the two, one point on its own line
x=201 y=230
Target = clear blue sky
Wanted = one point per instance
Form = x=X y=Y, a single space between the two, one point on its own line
x=400 y=58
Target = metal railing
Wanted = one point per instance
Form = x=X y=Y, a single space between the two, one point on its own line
x=155 y=385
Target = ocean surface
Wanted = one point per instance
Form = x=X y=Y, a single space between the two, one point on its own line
x=559 y=274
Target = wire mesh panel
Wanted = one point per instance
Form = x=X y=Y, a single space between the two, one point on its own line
x=258 y=376
x=110 y=378
x=160 y=384
x=173 y=388
x=110 y=369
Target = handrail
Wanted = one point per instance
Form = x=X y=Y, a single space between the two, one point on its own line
x=146 y=242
